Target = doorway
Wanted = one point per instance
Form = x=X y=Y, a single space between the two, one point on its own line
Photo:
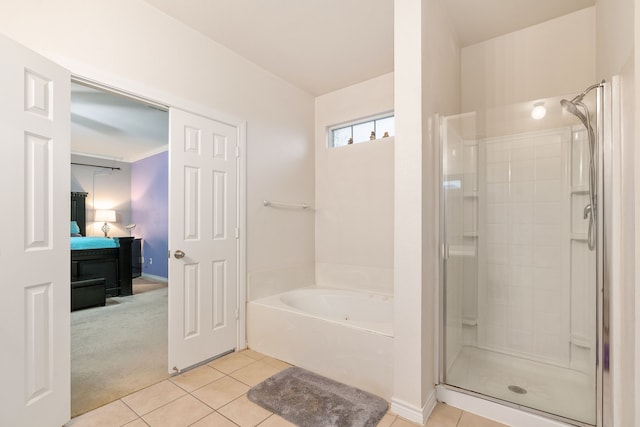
x=204 y=313
x=119 y=156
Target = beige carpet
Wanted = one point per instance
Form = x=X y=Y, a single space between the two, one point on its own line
x=120 y=348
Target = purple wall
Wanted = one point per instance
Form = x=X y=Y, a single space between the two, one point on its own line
x=149 y=211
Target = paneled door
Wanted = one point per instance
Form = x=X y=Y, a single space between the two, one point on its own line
x=34 y=253
x=203 y=239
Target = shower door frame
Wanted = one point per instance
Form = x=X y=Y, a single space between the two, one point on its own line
x=607 y=112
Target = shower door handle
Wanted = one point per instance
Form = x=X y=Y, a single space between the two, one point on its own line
x=445 y=251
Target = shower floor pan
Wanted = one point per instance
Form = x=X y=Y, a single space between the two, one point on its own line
x=548 y=388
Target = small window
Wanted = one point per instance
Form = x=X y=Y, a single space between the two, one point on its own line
x=353 y=133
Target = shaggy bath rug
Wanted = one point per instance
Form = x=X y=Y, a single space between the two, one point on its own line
x=310 y=400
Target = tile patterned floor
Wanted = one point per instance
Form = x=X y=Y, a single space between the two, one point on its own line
x=215 y=395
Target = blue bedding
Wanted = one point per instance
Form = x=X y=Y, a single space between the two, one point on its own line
x=93 y=242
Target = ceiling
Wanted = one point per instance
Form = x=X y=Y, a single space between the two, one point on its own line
x=479 y=20
x=325 y=45
x=104 y=124
x=317 y=45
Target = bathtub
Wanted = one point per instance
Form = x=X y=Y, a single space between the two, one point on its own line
x=342 y=334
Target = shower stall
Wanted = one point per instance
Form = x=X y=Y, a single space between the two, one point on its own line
x=521 y=209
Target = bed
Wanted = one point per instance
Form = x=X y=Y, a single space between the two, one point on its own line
x=100 y=266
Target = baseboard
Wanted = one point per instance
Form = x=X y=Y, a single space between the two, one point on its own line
x=413 y=413
x=155 y=278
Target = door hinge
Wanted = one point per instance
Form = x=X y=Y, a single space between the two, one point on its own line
x=237 y=313
x=237 y=151
x=237 y=233
x=169 y=254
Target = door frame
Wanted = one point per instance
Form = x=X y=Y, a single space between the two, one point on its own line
x=164 y=100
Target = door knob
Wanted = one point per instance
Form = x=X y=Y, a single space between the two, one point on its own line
x=178 y=254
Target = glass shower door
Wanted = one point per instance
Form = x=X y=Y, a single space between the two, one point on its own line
x=519 y=291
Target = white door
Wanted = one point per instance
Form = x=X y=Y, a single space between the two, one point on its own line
x=34 y=249
x=203 y=238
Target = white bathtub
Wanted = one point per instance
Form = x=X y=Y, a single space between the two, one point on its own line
x=342 y=334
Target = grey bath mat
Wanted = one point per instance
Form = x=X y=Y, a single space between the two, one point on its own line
x=310 y=400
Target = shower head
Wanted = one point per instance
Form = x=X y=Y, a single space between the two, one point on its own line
x=572 y=107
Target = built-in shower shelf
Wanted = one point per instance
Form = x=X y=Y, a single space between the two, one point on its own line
x=470 y=234
x=459 y=250
x=470 y=194
x=581 y=237
x=580 y=189
x=469 y=321
x=470 y=142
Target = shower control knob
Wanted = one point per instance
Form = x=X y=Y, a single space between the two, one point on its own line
x=179 y=254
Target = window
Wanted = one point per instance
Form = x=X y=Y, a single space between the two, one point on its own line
x=353 y=133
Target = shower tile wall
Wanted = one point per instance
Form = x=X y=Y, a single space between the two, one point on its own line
x=524 y=293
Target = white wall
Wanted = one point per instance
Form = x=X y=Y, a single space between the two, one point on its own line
x=618 y=53
x=354 y=192
x=109 y=189
x=531 y=63
x=636 y=210
x=636 y=189
x=427 y=76
x=130 y=44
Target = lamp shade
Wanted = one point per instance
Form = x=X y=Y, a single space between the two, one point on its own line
x=105 y=215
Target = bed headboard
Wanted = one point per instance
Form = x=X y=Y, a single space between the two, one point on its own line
x=78 y=213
